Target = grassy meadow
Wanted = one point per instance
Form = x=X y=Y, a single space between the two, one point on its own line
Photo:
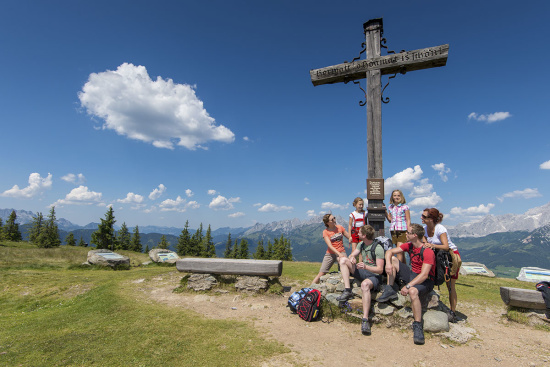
x=56 y=312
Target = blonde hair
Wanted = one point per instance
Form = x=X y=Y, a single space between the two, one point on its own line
x=325 y=219
x=357 y=200
x=403 y=201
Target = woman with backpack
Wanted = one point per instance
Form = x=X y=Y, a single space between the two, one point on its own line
x=438 y=238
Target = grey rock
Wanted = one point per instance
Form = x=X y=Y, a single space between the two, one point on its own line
x=405 y=312
x=160 y=255
x=251 y=284
x=459 y=333
x=104 y=257
x=201 y=282
x=436 y=321
x=384 y=309
x=331 y=297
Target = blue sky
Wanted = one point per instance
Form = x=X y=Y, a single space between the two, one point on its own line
x=204 y=111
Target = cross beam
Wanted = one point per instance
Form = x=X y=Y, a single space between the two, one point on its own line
x=372 y=68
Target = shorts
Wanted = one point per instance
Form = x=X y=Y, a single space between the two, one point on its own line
x=406 y=274
x=458 y=270
x=328 y=261
x=398 y=236
x=362 y=274
x=355 y=235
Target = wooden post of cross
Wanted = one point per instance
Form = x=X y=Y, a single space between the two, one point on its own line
x=372 y=68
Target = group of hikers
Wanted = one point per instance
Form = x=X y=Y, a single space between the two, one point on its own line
x=419 y=241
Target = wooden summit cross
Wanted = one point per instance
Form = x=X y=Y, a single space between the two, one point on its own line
x=372 y=68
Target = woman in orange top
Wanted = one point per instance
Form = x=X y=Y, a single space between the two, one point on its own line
x=334 y=238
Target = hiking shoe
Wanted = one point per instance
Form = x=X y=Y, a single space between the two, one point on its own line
x=452 y=317
x=387 y=294
x=365 y=327
x=346 y=295
x=418 y=333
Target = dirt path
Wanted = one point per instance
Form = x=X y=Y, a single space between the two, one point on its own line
x=499 y=343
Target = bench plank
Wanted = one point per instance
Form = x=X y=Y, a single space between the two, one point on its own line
x=525 y=298
x=230 y=266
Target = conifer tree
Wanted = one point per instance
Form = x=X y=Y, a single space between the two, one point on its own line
x=287 y=254
x=260 y=252
x=146 y=249
x=227 y=253
x=269 y=254
x=11 y=229
x=1 y=230
x=81 y=243
x=36 y=229
x=243 y=250
x=197 y=244
x=70 y=240
x=163 y=244
x=49 y=237
x=210 y=249
x=183 y=247
x=123 y=238
x=135 y=243
x=236 y=252
x=104 y=237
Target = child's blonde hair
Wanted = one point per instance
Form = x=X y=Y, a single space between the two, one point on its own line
x=358 y=199
x=403 y=201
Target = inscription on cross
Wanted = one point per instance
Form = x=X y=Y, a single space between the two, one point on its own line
x=372 y=68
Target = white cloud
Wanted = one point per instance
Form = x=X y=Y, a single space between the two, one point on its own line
x=212 y=192
x=222 y=203
x=74 y=179
x=159 y=111
x=490 y=118
x=473 y=210
x=156 y=193
x=192 y=205
x=236 y=215
x=257 y=204
x=306 y=199
x=441 y=171
x=426 y=201
x=423 y=189
x=311 y=213
x=81 y=195
x=403 y=180
x=329 y=205
x=173 y=205
x=525 y=194
x=131 y=198
x=37 y=184
x=545 y=165
x=189 y=193
x=274 y=208
x=246 y=138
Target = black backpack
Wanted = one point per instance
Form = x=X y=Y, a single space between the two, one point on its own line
x=443 y=263
x=309 y=307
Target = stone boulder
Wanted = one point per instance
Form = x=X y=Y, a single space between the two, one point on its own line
x=435 y=321
x=251 y=284
x=201 y=282
x=160 y=255
x=105 y=257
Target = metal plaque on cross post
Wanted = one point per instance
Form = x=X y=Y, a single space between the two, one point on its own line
x=372 y=68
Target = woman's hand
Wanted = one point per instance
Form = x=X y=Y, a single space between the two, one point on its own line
x=429 y=245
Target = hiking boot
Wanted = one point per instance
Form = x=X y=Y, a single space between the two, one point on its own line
x=346 y=295
x=387 y=294
x=365 y=327
x=452 y=317
x=418 y=333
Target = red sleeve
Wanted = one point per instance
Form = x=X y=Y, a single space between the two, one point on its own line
x=405 y=246
x=429 y=256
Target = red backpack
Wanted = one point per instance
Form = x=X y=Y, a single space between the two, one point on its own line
x=309 y=307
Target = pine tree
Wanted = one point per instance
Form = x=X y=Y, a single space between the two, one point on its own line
x=146 y=249
x=11 y=229
x=269 y=254
x=209 y=243
x=184 y=241
x=81 y=243
x=243 y=250
x=236 y=252
x=135 y=243
x=227 y=253
x=197 y=245
x=70 y=240
x=49 y=236
x=36 y=229
x=123 y=238
x=104 y=237
x=260 y=252
x=287 y=254
x=1 y=230
x=163 y=244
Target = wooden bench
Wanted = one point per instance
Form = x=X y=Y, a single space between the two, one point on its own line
x=525 y=298
x=230 y=266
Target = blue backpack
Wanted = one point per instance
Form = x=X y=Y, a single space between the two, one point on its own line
x=296 y=297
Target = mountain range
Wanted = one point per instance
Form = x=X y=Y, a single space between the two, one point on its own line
x=506 y=241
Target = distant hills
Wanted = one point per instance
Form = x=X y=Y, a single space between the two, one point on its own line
x=507 y=241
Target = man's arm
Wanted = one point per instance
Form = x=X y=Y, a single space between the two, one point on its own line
x=378 y=269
